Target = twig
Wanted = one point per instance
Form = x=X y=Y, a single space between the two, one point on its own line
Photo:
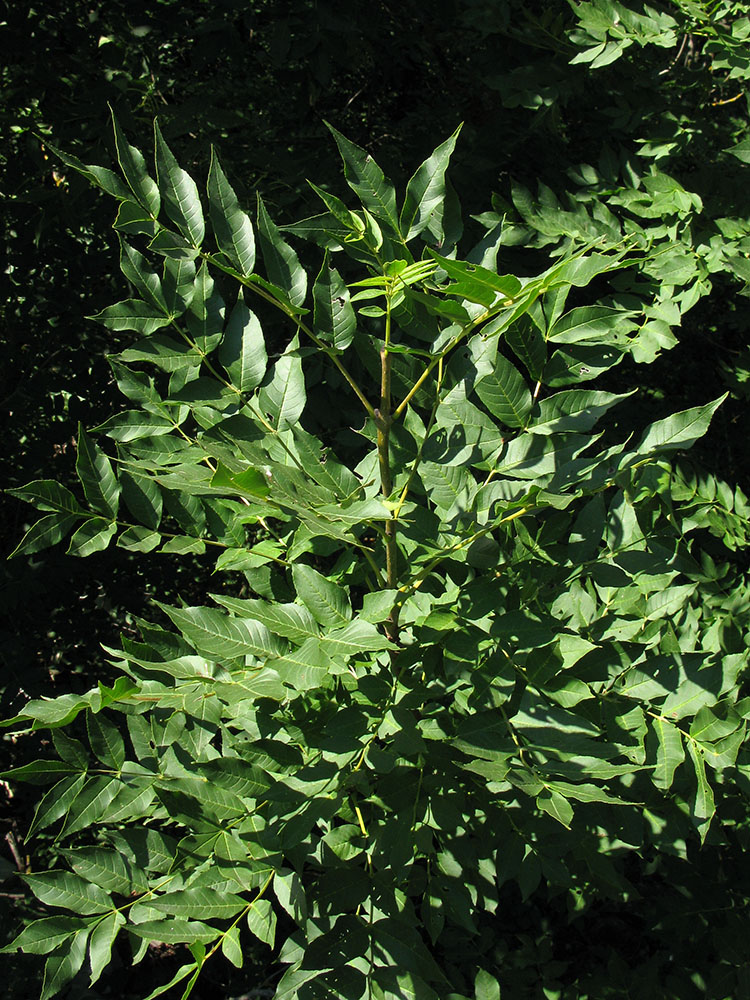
x=21 y=865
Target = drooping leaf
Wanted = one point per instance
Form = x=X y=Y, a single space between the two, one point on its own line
x=702 y=806
x=100 y=945
x=63 y=964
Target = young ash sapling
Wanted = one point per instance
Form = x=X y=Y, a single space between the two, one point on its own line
x=457 y=644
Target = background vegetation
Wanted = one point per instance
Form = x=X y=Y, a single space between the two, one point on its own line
x=581 y=120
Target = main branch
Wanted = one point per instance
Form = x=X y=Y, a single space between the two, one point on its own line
x=383 y=420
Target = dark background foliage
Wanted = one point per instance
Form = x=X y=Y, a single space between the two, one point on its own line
x=258 y=80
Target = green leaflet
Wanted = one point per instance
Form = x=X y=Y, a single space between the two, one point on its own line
x=505 y=394
x=135 y=220
x=100 y=944
x=205 y=316
x=282 y=399
x=63 y=965
x=528 y=344
x=106 y=742
x=573 y=410
x=133 y=265
x=425 y=191
x=551 y=801
x=178 y=285
x=232 y=227
x=110 y=871
x=292 y=621
x=96 y=475
x=261 y=921
x=40 y=937
x=681 y=430
x=134 y=170
x=133 y=314
x=477 y=284
x=142 y=497
x=702 y=806
x=282 y=263
x=243 y=349
x=179 y=192
x=368 y=182
x=486 y=987
x=670 y=752
x=45 y=494
x=93 y=535
x=164 y=351
x=600 y=323
x=205 y=903
x=103 y=178
x=334 y=316
x=327 y=602
x=174 y=931
x=221 y=636
x=47 y=531
x=68 y=891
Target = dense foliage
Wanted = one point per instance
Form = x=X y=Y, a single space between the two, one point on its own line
x=448 y=699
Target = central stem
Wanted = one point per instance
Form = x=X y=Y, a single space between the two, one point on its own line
x=384 y=418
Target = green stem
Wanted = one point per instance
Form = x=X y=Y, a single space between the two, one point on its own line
x=418 y=459
x=383 y=418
